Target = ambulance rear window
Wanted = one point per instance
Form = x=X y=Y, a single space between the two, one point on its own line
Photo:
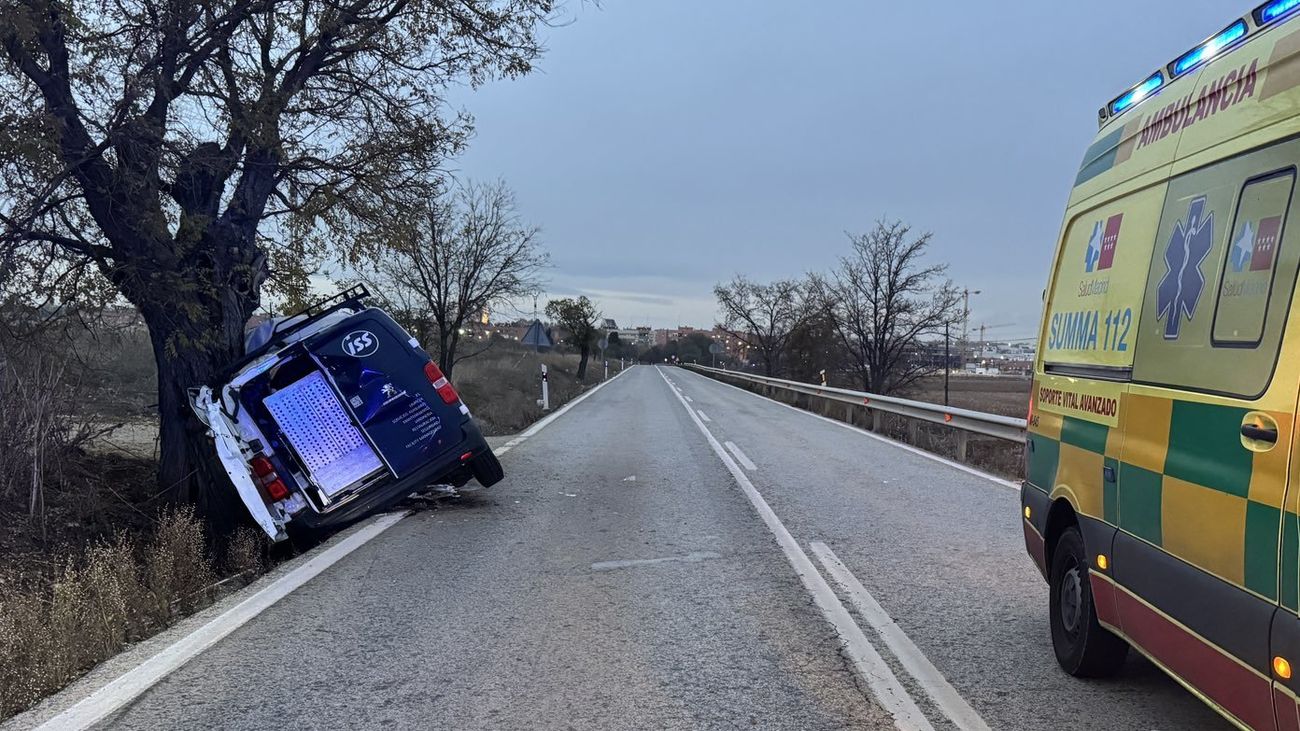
x=1249 y=271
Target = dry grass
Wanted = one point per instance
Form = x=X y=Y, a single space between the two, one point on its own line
x=502 y=386
x=115 y=591
x=1002 y=395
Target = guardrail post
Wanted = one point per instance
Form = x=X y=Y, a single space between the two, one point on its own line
x=913 y=431
x=963 y=441
x=848 y=413
x=875 y=420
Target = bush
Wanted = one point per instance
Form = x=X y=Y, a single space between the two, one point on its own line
x=112 y=593
x=38 y=427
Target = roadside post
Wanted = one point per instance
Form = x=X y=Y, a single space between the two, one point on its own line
x=604 y=343
x=546 y=392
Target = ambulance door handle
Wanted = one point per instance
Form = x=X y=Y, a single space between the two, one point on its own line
x=1259 y=433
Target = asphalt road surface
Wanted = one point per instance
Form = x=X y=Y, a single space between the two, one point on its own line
x=624 y=577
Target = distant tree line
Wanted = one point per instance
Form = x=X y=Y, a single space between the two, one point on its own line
x=867 y=322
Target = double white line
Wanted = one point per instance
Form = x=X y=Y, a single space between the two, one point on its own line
x=886 y=688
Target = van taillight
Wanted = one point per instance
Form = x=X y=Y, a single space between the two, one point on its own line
x=440 y=383
x=266 y=476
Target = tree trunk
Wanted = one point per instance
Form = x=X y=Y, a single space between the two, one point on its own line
x=448 y=357
x=585 y=352
x=189 y=470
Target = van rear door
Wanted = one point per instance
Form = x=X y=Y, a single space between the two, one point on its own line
x=380 y=375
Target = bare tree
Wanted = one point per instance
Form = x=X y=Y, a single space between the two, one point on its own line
x=580 y=318
x=146 y=144
x=884 y=300
x=467 y=253
x=764 y=316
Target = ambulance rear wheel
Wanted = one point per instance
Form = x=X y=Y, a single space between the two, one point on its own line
x=1083 y=647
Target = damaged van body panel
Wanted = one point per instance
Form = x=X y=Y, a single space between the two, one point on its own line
x=336 y=413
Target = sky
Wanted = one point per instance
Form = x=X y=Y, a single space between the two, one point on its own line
x=666 y=145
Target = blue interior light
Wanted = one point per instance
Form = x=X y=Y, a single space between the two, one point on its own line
x=1138 y=93
x=1275 y=10
x=1210 y=48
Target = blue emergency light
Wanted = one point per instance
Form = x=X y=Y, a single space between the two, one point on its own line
x=1275 y=10
x=1210 y=48
x=1138 y=93
x=1265 y=14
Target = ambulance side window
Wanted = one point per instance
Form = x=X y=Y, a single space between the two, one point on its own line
x=1222 y=275
x=1249 y=275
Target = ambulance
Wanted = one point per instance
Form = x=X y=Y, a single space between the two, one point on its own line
x=1161 y=494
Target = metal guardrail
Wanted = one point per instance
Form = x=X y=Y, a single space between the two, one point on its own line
x=963 y=421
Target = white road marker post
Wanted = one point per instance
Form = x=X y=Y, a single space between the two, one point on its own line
x=546 y=391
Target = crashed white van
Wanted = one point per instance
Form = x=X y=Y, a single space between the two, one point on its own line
x=335 y=413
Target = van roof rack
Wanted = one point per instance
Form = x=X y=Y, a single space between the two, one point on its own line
x=351 y=298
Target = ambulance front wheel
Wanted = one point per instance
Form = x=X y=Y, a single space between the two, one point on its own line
x=1083 y=647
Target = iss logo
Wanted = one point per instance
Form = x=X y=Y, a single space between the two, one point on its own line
x=1101 y=246
x=1183 y=283
x=360 y=344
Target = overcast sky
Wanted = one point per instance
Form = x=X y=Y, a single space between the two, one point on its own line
x=665 y=145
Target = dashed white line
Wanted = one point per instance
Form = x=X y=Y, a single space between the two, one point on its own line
x=704 y=416
x=946 y=697
x=746 y=462
x=856 y=647
x=893 y=443
x=690 y=400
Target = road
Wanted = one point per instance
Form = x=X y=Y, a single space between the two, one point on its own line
x=624 y=577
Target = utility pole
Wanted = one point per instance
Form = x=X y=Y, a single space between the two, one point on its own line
x=965 y=322
x=947 y=360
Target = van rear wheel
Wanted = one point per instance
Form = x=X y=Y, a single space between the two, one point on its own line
x=487 y=469
x=1083 y=647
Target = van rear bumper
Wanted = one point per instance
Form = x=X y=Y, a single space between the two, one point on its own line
x=448 y=470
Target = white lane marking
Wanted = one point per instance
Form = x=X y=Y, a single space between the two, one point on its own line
x=704 y=416
x=532 y=430
x=935 y=685
x=137 y=680
x=690 y=400
x=634 y=563
x=740 y=456
x=907 y=447
x=630 y=478
x=870 y=665
x=126 y=687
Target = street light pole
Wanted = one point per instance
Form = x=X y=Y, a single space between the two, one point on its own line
x=965 y=322
x=947 y=361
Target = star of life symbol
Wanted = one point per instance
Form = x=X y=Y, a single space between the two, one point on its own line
x=1183 y=283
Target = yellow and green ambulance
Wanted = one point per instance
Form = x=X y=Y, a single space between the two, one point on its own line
x=1161 y=501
